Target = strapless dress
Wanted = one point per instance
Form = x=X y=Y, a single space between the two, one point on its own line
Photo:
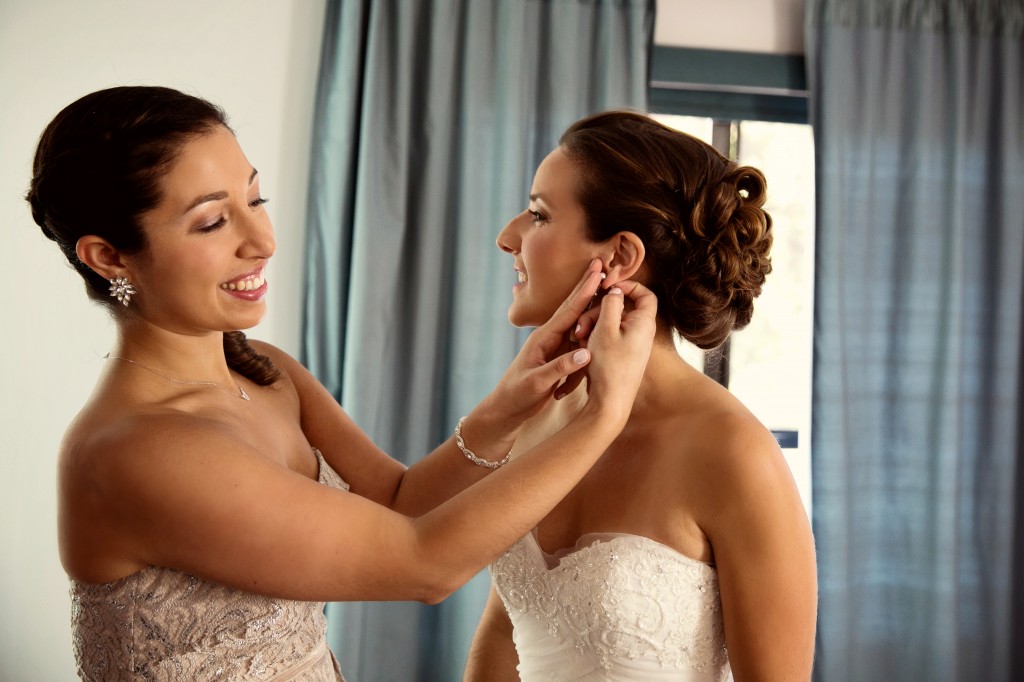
x=161 y=624
x=613 y=607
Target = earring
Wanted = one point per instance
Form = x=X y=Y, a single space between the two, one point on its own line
x=122 y=289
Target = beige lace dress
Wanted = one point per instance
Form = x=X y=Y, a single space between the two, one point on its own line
x=161 y=624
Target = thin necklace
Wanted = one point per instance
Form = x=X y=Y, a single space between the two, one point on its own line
x=241 y=391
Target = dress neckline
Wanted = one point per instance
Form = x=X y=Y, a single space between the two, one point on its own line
x=587 y=541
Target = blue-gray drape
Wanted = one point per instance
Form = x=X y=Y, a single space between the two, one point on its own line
x=918 y=108
x=431 y=117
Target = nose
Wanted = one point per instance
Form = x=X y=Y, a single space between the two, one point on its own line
x=509 y=239
x=257 y=236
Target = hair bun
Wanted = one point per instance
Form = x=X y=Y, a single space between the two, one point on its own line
x=701 y=217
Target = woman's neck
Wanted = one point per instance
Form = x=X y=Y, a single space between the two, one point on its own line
x=197 y=357
x=666 y=375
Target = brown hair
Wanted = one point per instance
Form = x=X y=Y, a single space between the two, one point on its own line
x=699 y=215
x=97 y=169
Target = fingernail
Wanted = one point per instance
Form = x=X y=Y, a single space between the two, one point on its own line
x=577 y=329
x=580 y=356
x=615 y=290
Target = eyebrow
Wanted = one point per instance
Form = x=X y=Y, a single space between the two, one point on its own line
x=216 y=196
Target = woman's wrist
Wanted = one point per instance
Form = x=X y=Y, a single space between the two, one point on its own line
x=603 y=416
x=488 y=433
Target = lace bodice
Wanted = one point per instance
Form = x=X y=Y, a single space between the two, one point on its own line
x=614 y=607
x=161 y=624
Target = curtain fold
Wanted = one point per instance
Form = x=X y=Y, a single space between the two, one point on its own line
x=917 y=109
x=431 y=117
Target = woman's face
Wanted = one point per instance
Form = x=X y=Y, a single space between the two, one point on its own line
x=207 y=242
x=548 y=242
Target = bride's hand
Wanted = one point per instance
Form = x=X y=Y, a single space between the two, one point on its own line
x=620 y=342
x=542 y=364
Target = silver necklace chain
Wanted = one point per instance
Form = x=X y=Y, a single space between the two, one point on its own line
x=190 y=382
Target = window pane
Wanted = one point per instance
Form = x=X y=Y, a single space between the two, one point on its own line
x=770 y=361
x=700 y=128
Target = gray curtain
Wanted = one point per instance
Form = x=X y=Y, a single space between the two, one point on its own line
x=431 y=118
x=918 y=110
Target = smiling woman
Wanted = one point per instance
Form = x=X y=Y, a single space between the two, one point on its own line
x=202 y=533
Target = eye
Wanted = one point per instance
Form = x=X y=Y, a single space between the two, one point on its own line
x=538 y=217
x=257 y=202
x=210 y=227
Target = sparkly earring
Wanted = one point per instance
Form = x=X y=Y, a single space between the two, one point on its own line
x=122 y=289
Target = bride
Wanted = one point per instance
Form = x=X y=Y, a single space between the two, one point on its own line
x=685 y=553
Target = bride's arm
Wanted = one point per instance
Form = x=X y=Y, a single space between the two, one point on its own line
x=492 y=655
x=764 y=553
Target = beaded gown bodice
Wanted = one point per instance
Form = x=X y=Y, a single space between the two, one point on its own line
x=614 y=607
x=161 y=624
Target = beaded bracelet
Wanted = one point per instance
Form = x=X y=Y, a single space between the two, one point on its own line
x=470 y=455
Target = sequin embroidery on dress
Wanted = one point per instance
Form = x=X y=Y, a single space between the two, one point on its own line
x=615 y=607
x=161 y=624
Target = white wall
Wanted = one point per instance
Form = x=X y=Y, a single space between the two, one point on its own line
x=770 y=26
x=256 y=59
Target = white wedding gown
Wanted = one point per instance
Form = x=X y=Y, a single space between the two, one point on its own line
x=614 y=607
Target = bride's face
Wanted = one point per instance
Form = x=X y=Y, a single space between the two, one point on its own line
x=208 y=241
x=548 y=242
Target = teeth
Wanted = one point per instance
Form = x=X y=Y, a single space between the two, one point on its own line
x=522 y=277
x=244 y=285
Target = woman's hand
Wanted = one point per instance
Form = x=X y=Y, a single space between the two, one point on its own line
x=531 y=379
x=620 y=339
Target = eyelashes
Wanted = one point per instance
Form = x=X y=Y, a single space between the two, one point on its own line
x=217 y=224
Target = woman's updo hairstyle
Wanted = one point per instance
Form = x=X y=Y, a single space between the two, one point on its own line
x=699 y=215
x=97 y=170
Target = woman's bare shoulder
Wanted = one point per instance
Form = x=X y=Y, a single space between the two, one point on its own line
x=282 y=360
x=105 y=435
x=722 y=444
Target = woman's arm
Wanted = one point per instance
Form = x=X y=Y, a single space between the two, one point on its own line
x=490 y=428
x=764 y=553
x=492 y=655
x=177 y=492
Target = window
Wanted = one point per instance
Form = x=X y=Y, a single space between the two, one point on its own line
x=768 y=364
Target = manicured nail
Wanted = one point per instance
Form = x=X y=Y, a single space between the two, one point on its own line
x=577 y=329
x=580 y=356
x=615 y=290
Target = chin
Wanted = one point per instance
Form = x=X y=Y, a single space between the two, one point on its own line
x=250 y=321
x=519 y=316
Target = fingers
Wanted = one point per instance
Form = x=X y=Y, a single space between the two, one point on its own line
x=565 y=365
x=643 y=298
x=585 y=324
x=569 y=385
x=565 y=317
x=612 y=306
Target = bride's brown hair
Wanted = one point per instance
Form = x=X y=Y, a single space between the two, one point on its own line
x=97 y=169
x=700 y=216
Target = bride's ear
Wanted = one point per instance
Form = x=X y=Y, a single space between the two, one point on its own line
x=101 y=256
x=625 y=258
